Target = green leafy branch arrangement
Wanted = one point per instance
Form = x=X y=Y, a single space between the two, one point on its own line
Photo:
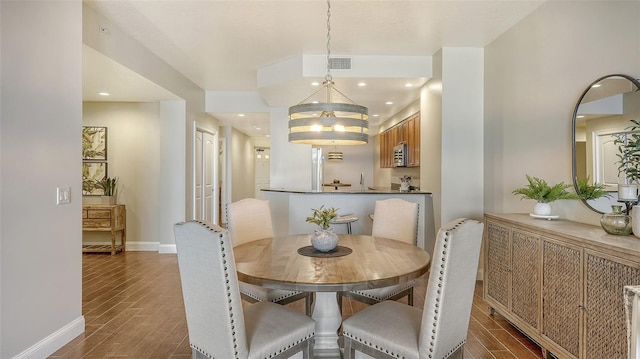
x=322 y=217
x=587 y=191
x=629 y=152
x=108 y=185
x=539 y=190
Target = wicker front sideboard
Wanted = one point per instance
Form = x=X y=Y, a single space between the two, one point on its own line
x=561 y=283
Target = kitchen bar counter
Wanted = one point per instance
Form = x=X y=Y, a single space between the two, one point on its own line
x=290 y=208
x=351 y=190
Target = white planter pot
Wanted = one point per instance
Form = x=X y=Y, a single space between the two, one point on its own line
x=324 y=240
x=542 y=209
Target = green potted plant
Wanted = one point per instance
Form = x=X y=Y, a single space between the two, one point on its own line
x=543 y=193
x=323 y=240
x=629 y=162
x=108 y=186
x=587 y=192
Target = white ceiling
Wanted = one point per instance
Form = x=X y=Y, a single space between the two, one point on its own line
x=222 y=45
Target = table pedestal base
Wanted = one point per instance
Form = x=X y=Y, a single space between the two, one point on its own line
x=328 y=319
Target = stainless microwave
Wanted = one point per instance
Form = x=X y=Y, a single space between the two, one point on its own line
x=400 y=155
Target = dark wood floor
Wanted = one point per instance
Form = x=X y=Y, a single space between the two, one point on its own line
x=132 y=305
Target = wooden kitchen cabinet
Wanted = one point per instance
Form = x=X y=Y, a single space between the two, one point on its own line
x=413 y=141
x=105 y=218
x=406 y=132
x=561 y=283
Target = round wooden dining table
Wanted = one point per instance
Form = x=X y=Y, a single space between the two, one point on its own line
x=372 y=262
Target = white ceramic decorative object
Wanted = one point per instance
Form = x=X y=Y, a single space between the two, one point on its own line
x=542 y=209
x=635 y=221
x=324 y=240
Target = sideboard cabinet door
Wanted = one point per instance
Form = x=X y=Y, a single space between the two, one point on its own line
x=561 y=295
x=605 y=328
x=525 y=277
x=513 y=273
x=498 y=272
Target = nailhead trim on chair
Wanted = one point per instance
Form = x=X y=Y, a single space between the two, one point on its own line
x=380 y=299
x=290 y=346
x=350 y=336
x=439 y=292
x=277 y=299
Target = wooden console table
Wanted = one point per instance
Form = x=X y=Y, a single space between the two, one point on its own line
x=105 y=218
x=561 y=283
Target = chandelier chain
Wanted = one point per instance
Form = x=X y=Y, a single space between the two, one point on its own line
x=328 y=77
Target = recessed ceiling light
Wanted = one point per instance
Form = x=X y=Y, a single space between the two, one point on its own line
x=408 y=85
x=258 y=128
x=267 y=135
x=596 y=85
x=376 y=115
x=315 y=83
x=315 y=101
x=104 y=94
x=362 y=84
x=580 y=116
x=241 y=115
x=389 y=103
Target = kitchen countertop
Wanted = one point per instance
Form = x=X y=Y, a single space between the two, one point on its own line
x=348 y=190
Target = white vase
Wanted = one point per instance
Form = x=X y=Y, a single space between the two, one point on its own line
x=542 y=209
x=324 y=240
x=635 y=221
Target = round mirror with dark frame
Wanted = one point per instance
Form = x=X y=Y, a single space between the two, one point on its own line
x=602 y=114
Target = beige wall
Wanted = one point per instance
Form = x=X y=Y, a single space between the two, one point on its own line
x=534 y=74
x=242 y=166
x=134 y=156
x=40 y=122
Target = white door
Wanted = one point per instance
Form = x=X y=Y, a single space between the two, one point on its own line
x=262 y=180
x=209 y=190
x=205 y=177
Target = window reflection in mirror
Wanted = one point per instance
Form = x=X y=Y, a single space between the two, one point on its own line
x=603 y=112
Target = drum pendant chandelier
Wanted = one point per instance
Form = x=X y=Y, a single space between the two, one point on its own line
x=328 y=123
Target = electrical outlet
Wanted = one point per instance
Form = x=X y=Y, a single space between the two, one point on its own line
x=63 y=195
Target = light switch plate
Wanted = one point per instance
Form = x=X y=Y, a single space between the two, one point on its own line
x=63 y=195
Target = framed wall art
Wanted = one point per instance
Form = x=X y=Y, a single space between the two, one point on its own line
x=91 y=173
x=94 y=143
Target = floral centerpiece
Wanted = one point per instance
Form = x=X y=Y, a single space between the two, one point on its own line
x=323 y=239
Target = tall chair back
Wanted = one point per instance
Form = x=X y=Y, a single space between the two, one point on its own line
x=449 y=298
x=249 y=219
x=396 y=218
x=215 y=318
x=393 y=330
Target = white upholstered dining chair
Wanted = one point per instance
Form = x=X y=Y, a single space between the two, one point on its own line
x=393 y=330
x=218 y=325
x=249 y=219
x=397 y=219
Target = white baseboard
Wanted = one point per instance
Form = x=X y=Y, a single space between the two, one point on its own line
x=133 y=246
x=142 y=246
x=167 y=248
x=55 y=341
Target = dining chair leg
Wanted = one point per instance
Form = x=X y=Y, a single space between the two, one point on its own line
x=339 y=299
x=308 y=303
x=410 y=297
x=349 y=352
